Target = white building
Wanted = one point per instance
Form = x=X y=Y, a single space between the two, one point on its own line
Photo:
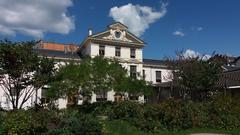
x=119 y=43
x=115 y=42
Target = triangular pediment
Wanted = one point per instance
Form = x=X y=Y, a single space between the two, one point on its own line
x=118 y=25
x=118 y=32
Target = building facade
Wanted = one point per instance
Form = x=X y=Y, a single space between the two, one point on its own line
x=115 y=42
x=118 y=42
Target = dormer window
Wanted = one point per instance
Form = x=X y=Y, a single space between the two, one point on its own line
x=101 y=50
x=117 y=51
x=132 y=53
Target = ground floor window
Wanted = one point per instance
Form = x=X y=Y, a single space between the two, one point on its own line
x=133 y=97
x=44 y=99
x=101 y=96
x=118 y=98
x=72 y=99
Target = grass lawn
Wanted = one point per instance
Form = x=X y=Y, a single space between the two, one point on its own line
x=124 y=128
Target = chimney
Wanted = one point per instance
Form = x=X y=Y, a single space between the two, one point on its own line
x=65 y=49
x=71 y=48
x=90 y=32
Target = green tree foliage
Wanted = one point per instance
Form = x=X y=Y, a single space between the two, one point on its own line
x=98 y=75
x=196 y=74
x=69 y=79
x=133 y=86
x=22 y=72
x=105 y=75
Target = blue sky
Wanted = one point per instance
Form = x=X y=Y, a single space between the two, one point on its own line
x=203 y=26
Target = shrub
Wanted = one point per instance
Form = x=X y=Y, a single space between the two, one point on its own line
x=127 y=110
x=152 y=117
x=178 y=114
x=220 y=113
x=224 y=112
x=18 y=123
x=199 y=114
x=73 y=123
x=1 y=123
x=90 y=126
x=40 y=120
x=97 y=108
x=27 y=122
x=171 y=114
x=131 y=112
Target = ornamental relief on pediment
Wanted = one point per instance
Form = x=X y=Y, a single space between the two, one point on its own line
x=117 y=35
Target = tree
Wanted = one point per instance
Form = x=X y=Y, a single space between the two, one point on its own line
x=197 y=74
x=22 y=72
x=97 y=75
x=135 y=87
x=108 y=74
x=68 y=81
x=105 y=75
x=221 y=59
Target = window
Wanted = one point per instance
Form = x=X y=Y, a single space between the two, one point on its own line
x=133 y=71
x=117 y=51
x=101 y=50
x=118 y=34
x=72 y=99
x=43 y=99
x=158 y=76
x=132 y=53
x=144 y=75
x=118 y=98
x=101 y=96
x=133 y=97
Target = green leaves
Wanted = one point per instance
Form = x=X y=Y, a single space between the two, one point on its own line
x=197 y=75
x=44 y=72
x=17 y=58
x=98 y=75
x=22 y=71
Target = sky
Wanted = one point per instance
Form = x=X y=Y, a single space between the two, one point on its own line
x=194 y=26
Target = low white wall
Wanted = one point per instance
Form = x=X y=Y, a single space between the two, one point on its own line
x=150 y=74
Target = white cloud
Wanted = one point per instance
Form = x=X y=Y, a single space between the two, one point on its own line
x=199 y=28
x=190 y=54
x=136 y=17
x=179 y=33
x=35 y=17
x=206 y=57
x=193 y=54
x=194 y=28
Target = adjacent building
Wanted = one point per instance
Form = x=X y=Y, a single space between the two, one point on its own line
x=230 y=78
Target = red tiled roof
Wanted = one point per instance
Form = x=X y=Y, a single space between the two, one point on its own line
x=57 y=46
